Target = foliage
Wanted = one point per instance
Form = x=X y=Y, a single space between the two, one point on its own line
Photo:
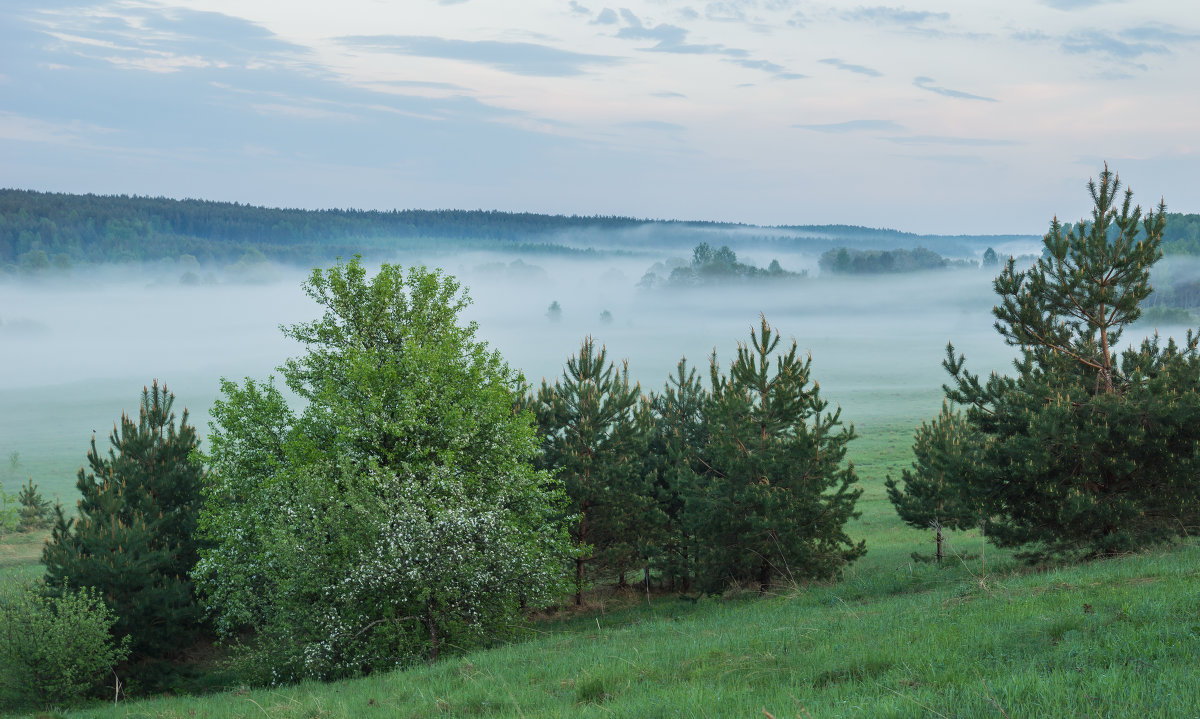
x=398 y=513
x=679 y=434
x=54 y=649
x=990 y=258
x=721 y=265
x=849 y=261
x=554 y=311
x=592 y=440
x=1084 y=451
x=933 y=495
x=133 y=540
x=34 y=512
x=776 y=496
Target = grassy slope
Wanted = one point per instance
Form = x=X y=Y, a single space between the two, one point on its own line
x=895 y=638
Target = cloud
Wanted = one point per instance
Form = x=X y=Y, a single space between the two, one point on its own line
x=883 y=15
x=948 y=140
x=1076 y=4
x=1098 y=41
x=607 y=16
x=160 y=39
x=673 y=39
x=848 y=67
x=579 y=9
x=855 y=126
x=656 y=125
x=926 y=83
x=668 y=94
x=667 y=36
x=518 y=58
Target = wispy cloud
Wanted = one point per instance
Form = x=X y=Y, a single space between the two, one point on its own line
x=855 y=126
x=927 y=83
x=1076 y=4
x=577 y=8
x=668 y=94
x=656 y=125
x=884 y=15
x=674 y=39
x=849 y=67
x=518 y=58
x=774 y=68
x=1104 y=43
x=950 y=140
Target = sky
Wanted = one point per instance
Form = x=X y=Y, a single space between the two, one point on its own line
x=935 y=117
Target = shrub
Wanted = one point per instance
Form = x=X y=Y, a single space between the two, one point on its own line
x=54 y=650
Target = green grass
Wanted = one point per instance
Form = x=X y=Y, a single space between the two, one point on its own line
x=893 y=638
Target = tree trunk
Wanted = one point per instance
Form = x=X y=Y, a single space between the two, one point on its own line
x=433 y=634
x=578 y=581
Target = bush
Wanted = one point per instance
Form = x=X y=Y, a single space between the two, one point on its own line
x=54 y=650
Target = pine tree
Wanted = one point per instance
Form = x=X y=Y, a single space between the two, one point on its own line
x=933 y=495
x=591 y=439
x=1084 y=452
x=133 y=537
x=777 y=496
x=34 y=512
x=679 y=436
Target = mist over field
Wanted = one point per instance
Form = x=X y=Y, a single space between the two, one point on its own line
x=77 y=350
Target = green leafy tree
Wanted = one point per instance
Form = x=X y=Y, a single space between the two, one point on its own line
x=1084 y=451
x=778 y=493
x=398 y=513
x=591 y=440
x=932 y=495
x=134 y=537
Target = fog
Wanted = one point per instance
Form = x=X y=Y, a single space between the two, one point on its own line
x=76 y=351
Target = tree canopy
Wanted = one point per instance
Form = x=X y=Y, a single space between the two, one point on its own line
x=398 y=512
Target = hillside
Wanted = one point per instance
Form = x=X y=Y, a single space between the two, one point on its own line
x=895 y=638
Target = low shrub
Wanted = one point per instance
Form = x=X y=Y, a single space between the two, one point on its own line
x=54 y=650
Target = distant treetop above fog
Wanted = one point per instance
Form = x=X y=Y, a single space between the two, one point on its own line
x=709 y=266
x=849 y=261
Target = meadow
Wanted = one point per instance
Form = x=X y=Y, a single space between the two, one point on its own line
x=896 y=636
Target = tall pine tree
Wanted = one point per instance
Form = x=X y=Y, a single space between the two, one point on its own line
x=778 y=492
x=133 y=537
x=1085 y=451
x=591 y=438
x=678 y=439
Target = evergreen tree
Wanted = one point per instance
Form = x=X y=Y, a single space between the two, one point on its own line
x=990 y=259
x=777 y=494
x=133 y=539
x=933 y=495
x=1084 y=452
x=35 y=512
x=591 y=439
x=554 y=312
x=679 y=437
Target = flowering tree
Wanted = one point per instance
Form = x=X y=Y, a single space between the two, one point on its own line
x=399 y=512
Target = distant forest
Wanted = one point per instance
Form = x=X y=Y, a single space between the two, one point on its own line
x=42 y=230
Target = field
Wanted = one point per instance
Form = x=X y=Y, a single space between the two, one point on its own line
x=895 y=637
